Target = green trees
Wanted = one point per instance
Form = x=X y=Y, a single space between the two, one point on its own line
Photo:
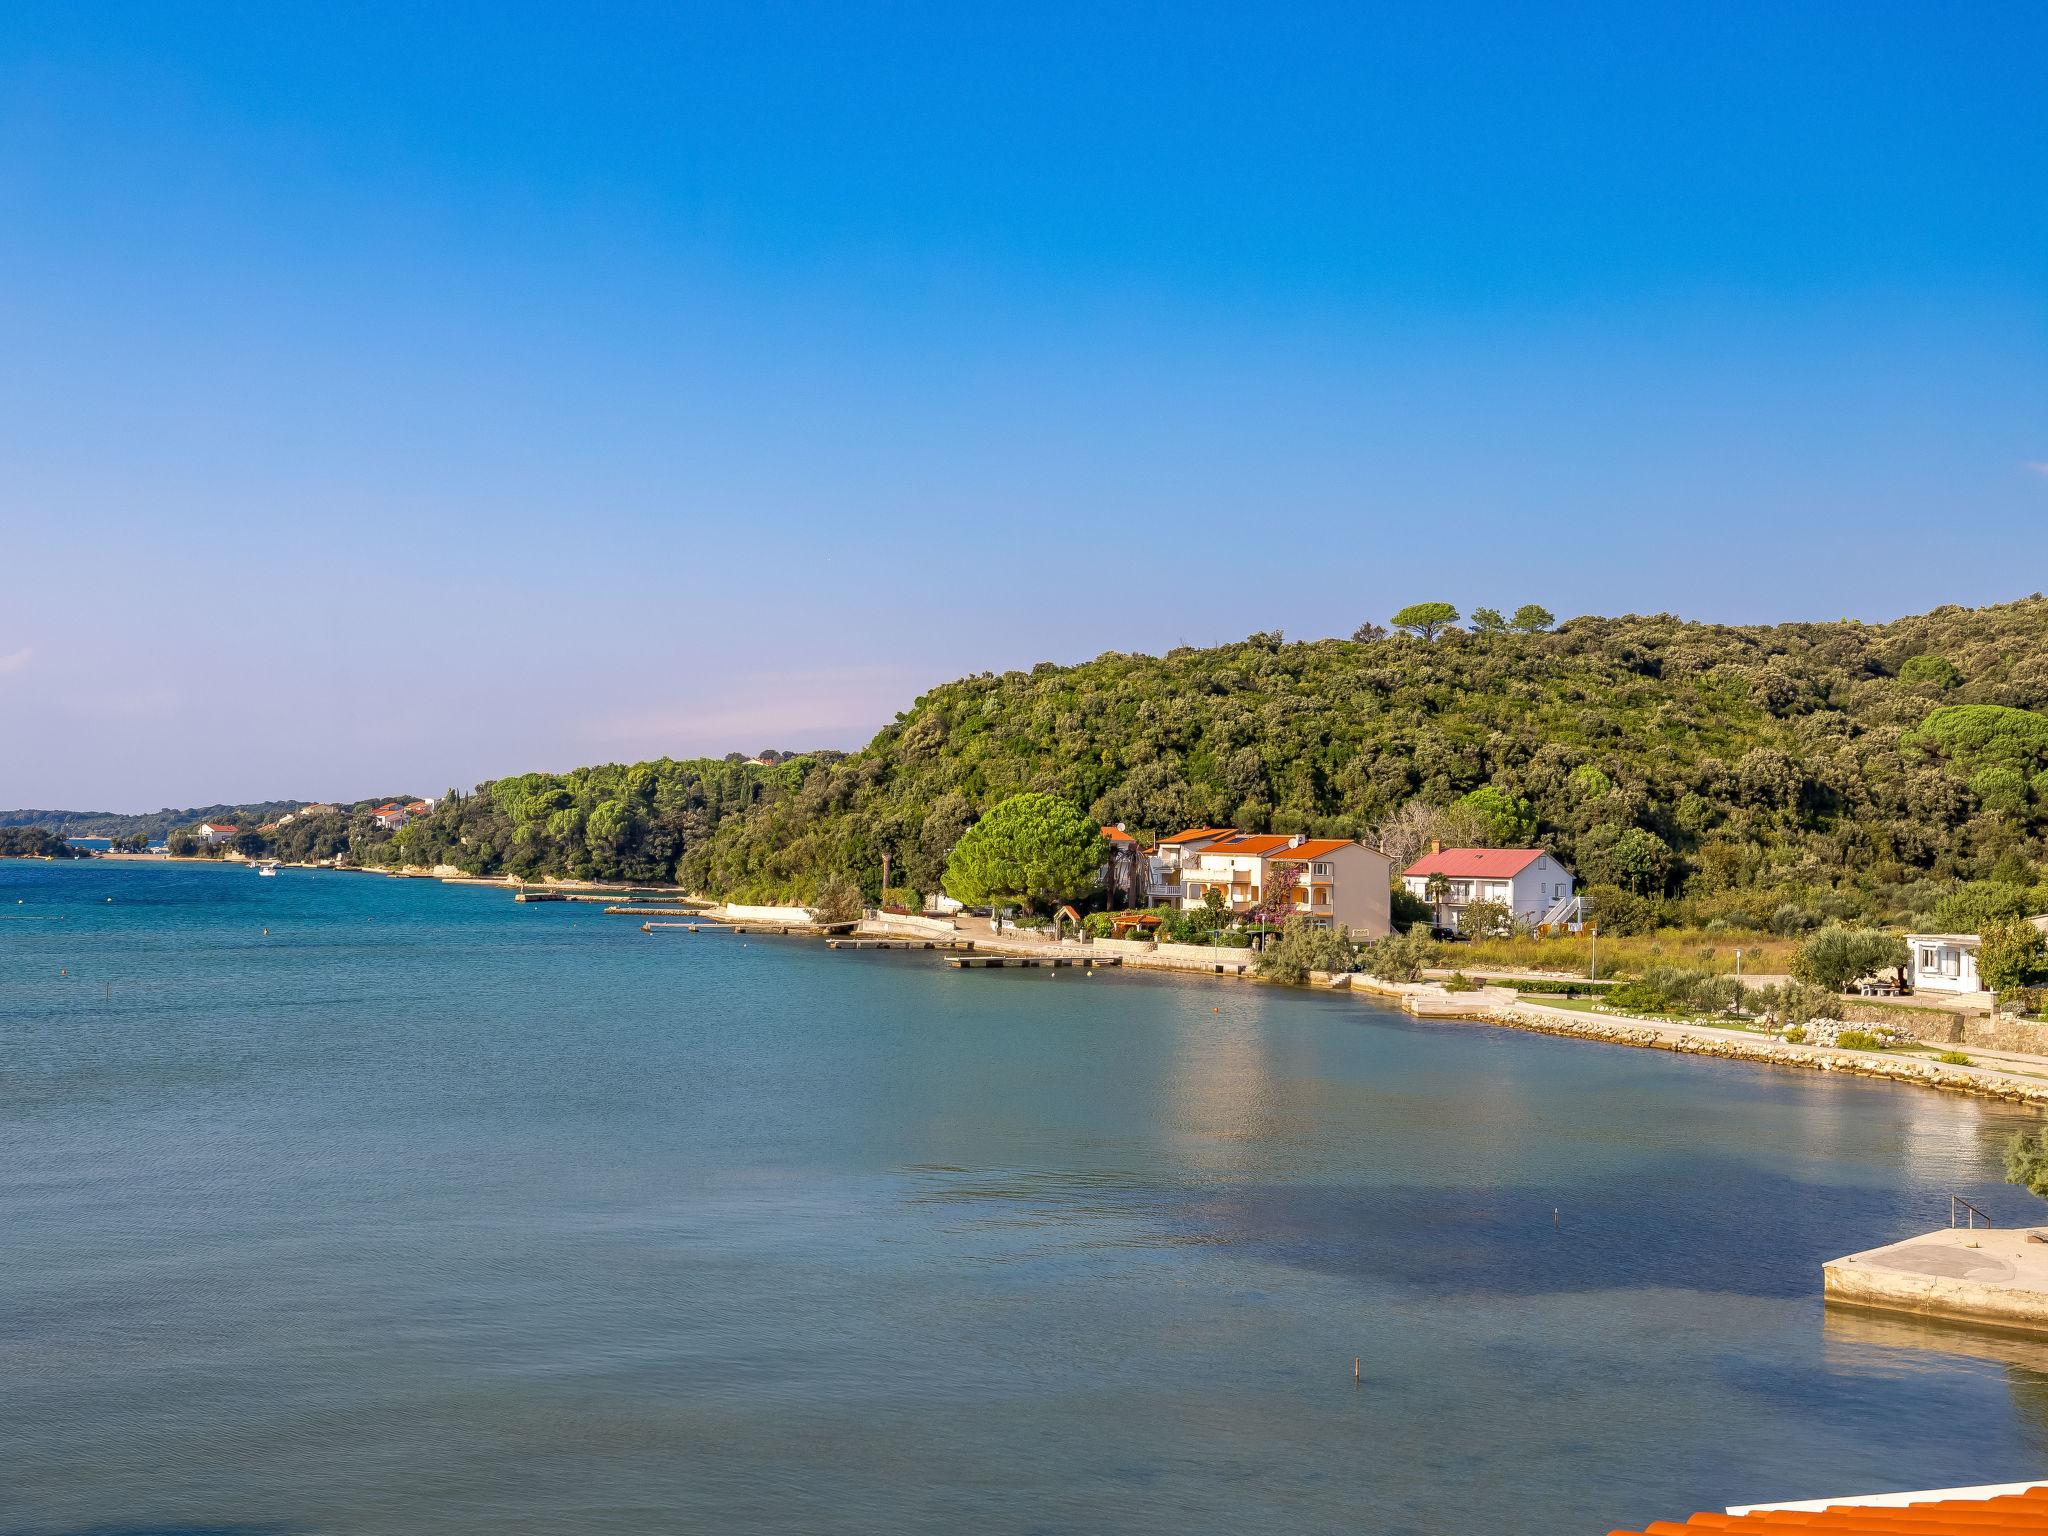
x=2026 y=1161
x=1938 y=670
x=1838 y=955
x=1398 y=957
x=1775 y=766
x=1509 y=820
x=1529 y=619
x=838 y=899
x=2012 y=953
x=1035 y=848
x=1302 y=947
x=1486 y=920
x=1425 y=620
x=1634 y=858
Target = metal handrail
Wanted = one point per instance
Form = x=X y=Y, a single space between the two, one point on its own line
x=1955 y=1200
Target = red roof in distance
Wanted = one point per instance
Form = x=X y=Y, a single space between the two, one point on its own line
x=1476 y=863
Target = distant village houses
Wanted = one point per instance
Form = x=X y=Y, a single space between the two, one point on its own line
x=1332 y=882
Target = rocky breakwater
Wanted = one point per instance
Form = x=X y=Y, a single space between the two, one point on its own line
x=1734 y=1045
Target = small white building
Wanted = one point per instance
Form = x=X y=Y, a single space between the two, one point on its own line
x=1944 y=962
x=1947 y=962
x=214 y=833
x=1527 y=881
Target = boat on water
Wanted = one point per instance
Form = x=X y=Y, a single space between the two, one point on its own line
x=267 y=867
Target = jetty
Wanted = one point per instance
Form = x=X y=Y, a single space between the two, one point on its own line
x=899 y=943
x=1031 y=962
x=1993 y=1276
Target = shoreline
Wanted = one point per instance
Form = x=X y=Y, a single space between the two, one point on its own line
x=1498 y=1007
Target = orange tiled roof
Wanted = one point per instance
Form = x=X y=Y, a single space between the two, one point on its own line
x=2000 y=1515
x=1318 y=847
x=1118 y=835
x=1194 y=832
x=1247 y=847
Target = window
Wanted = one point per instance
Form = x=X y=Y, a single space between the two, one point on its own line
x=1930 y=958
x=1319 y=869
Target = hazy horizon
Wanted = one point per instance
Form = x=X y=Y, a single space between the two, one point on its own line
x=424 y=397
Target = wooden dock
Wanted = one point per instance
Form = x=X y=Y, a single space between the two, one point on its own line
x=899 y=943
x=714 y=925
x=1029 y=962
x=696 y=912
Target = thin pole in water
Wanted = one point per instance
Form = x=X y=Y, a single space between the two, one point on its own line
x=1354 y=1370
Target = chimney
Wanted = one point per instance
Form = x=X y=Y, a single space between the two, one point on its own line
x=1436 y=845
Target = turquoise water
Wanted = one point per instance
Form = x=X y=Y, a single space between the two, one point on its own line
x=427 y=1212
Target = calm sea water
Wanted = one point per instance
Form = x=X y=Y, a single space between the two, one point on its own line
x=425 y=1212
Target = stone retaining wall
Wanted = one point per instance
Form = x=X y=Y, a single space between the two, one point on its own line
x=909 y=925
x=1202 y=957
x=792 y=916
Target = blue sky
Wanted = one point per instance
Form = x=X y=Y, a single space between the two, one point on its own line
x=396 y=397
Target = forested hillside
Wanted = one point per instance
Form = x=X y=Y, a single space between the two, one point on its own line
x=152 y=825
x=1720 y=771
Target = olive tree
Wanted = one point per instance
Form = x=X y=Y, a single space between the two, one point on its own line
x=1838 y=955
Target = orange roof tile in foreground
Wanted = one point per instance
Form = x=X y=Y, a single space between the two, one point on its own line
x=1967 y=1513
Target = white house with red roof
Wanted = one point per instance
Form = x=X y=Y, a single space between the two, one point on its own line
x=1527 y=881
x=390 y=816
x=213 y=833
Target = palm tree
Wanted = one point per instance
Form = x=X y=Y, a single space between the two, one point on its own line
x=1437 y=890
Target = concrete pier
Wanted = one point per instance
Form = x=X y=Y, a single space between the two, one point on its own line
x=1992 y=1276
x=1029 y=962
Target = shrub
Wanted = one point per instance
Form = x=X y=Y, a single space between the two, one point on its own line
x=838 y=899
x=2013 y=954
x=1677 y=989
x=1797 y=1003
x=1543 y=988
x=1458 y=981
x=1303 y=947
x=1976 y=904
x=2026 y=1161
x=1859 y=1040
x=1796 y=1033
x=1399 y=956
x=1953 y=1059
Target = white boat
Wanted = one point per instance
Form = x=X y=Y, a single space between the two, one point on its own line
x=267 y=867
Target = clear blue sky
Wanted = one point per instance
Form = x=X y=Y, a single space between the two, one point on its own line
x=394 y=397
